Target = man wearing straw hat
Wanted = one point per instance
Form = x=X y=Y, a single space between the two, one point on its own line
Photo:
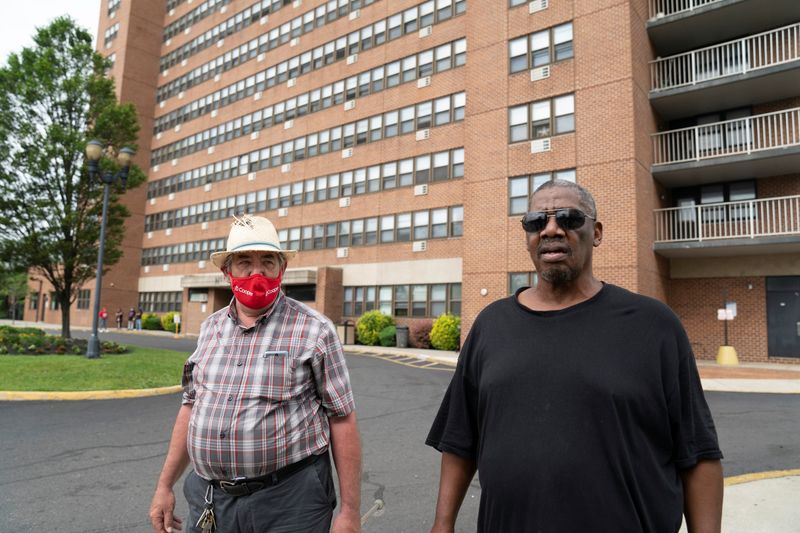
x=265 y=394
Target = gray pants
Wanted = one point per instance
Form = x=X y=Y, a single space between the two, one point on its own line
x=302 y=503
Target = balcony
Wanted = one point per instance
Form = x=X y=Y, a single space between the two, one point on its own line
x=752 y=147
x=756 y=69
x=680 y=25
x=751 y=227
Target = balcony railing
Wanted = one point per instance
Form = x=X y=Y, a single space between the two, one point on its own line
x=730 y=220
x=780 y=129
x=663 y=8
x=754 y=52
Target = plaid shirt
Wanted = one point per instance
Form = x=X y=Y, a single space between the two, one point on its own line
x=261 y=396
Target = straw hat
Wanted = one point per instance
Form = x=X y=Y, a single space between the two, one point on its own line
x=251 y=234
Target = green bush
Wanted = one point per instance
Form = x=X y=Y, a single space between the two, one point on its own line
x=370 y=325
x=31 y=341
x=446 y=332
x=151 y=321
x=387 y=336
x=168 y=321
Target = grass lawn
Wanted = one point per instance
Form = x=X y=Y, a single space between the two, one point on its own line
x=141 y=368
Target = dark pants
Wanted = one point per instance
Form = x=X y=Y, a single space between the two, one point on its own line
x=301 y=503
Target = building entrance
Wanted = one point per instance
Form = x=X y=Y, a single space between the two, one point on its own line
x=783 y=316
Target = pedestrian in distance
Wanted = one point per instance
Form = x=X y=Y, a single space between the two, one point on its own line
x=139 y=314
x=578 y=402
x=266 y=396
x=131 y=317
x=103 y=316
x=119 y=316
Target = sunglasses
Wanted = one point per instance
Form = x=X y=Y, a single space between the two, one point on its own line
x=567 y=219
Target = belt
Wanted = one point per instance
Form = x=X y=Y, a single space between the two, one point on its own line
x=245 y=486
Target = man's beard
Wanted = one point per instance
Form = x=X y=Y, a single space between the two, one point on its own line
x=559 y=275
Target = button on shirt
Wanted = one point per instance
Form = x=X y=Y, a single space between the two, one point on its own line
x=261 y=396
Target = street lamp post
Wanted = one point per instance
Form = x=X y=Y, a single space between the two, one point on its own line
x=39 y=299
x=94 y=151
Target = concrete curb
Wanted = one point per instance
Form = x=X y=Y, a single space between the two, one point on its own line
x=87 y=395
x=758 y=386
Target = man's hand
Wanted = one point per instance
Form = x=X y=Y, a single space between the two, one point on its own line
x=347 y=522
x=161 y=509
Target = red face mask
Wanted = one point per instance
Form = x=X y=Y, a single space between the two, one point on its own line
x=256 y=291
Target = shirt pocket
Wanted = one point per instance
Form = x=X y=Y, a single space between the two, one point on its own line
x=273 y=375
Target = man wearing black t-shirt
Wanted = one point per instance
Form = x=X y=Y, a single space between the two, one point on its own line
x=578 y=402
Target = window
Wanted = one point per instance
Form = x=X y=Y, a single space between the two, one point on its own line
x=541 y=119
x=34 y=301
x=521 y=187
x=84 y=297
x=517 y=280
x=113 y=5
x=540 y=48
x=724 y=195
x=160 y=302
x=110 y=34
x=417 y=301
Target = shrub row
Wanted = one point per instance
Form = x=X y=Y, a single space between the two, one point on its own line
x=444 y=333
x=33 y=341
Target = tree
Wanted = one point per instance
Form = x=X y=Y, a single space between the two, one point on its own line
x=13 y=289
x=54 y=97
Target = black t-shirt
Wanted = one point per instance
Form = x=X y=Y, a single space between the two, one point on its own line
x=579 y=419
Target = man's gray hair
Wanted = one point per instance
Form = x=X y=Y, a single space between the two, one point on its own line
x=586 y=198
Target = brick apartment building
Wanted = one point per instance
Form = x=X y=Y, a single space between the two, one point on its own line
x=394 y=142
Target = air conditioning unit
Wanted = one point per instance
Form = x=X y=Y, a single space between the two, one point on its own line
x=165 y=268
x=181 y=95
x=425 y=32
x=217 y=78
x=263 y=20
x=177 y=128
x=283 y=211
x=255 y=135
x=540 y=73
x=210 y=149
x=424 y=135
x=223 y=9
x=350 y=104
x=165 y=74
x=172 y=12
x=347 y=152
x=419 y=246
x=288 y=124
x=207 y=187
x=155 y=168
x=354 y=14
x=258 y=95
x=424 y=82
x=344 y=202
x=187 y=31
x=171 y=196
x=251 y=176
x=184 y=62
x=201 y=264
x=152 y=201
x=291 y=83
x=352 y=59
x=204 y=226
x=295 y=41
x=296 y=3
x=341 y=253
x=149 y=234
x=260 y=57
x=174 y=162
x=220 y=43
x=214 y=113
x=168 y=232
x=537 y=5
x=161 y=104
x=158 y=136
x=286 y=167
x=540 y=145
x=146 y=269
x=420 y=190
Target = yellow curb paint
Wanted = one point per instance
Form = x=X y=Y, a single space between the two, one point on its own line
x=758 y=476
x=87 y=395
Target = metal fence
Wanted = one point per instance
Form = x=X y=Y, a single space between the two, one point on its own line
x=754 y=52
x=663 y=8
x=729 y=220
x=780 y=129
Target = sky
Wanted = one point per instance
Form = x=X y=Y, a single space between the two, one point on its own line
x=18 y=24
